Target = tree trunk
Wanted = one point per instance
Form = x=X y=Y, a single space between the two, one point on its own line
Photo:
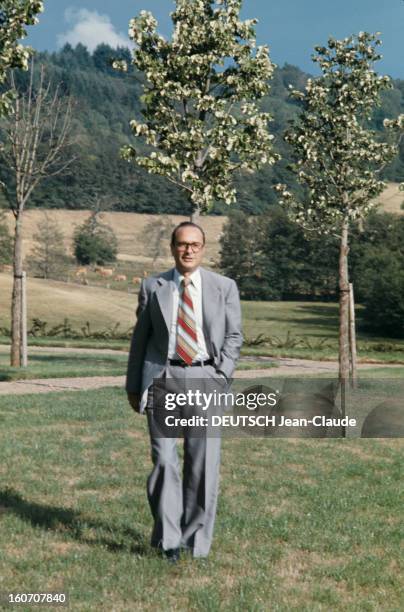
x=16 y=300
x=352 y=335
x=344 y=306
x=196 y=207
x=24 y=343
x=195 y=215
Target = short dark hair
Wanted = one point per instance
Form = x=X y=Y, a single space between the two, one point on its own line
x=186 y=224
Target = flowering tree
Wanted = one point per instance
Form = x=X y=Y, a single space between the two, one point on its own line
x=14 y=16
x=201 y=117
x=337 y=158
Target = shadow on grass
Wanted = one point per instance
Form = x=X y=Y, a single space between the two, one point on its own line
x=73 y=524
x=74 y=358
x=315 y=314
x=318 y=315
x=72 y=364
x=10 y=376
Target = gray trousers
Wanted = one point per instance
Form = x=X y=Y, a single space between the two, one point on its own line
x=183 y=506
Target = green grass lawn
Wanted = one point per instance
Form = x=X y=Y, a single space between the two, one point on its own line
x=296 y=329
x=58 y=365
x=301 y=525
x=383 y=372
x=119 y=345
x=315 y=325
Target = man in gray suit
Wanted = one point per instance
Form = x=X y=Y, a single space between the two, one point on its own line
x=188 y=327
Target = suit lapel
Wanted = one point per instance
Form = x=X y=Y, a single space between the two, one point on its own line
x=164 y=294
x=210 y=303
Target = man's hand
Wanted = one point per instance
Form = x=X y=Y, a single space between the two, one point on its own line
x=134 y=401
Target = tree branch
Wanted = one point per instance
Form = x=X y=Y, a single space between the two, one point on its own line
x=37 y=136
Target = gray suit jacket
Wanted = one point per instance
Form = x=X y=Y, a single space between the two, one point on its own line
x=221 y=325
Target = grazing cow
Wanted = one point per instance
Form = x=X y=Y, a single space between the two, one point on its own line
x=136 y=280
x=106 y=272
x=81 y=272
x=120 y=277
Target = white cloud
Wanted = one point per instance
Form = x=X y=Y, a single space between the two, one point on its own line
x=90 y=28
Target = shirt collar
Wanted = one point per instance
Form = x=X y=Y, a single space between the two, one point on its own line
x=195 y=278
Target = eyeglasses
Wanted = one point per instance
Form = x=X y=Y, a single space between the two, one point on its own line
x=194 y=246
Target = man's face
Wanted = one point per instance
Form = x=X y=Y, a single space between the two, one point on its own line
x=188 y=249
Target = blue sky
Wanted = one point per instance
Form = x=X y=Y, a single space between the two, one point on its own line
x=290 y=27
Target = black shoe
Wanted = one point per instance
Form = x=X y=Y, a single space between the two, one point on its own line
x=172 y=555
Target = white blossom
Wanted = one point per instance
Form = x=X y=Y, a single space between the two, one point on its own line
x=14 y=17
x=192 y=96
x=336 y=156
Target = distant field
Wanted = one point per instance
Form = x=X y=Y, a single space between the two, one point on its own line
x=391 y=199
x=129 y=227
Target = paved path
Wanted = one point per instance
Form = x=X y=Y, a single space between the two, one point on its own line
x=285 y=366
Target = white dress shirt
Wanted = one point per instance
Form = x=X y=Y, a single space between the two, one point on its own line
x=195 y=291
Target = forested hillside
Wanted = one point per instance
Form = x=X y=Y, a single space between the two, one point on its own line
x=106 y=100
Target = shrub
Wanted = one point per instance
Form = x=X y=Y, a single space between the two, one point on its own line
x=48 y=258
x=382 y=292
x=94 y=242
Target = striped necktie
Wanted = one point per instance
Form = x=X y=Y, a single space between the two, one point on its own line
x=187 y=340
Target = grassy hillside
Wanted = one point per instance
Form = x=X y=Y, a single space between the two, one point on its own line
x=296 y=329
x=391 y=199
x=53 y=301
x=128 y=227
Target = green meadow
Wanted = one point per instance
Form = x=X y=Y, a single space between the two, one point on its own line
x=309 y=330
x=301 y=524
